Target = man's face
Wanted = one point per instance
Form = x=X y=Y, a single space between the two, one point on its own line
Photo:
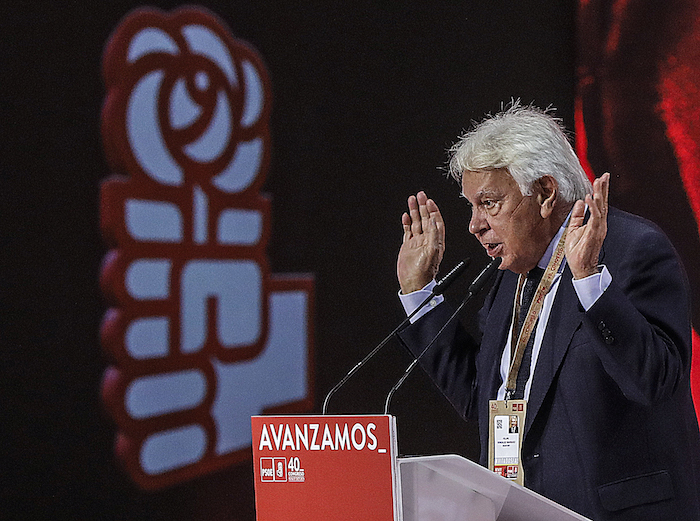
x=506 y=223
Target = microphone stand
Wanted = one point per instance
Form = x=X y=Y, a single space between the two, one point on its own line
x=439 y=288
x=475 y=286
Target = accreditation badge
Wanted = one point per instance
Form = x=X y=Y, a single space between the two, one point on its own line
x=506 y=425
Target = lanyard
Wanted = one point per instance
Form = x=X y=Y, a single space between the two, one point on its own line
x=532 y=313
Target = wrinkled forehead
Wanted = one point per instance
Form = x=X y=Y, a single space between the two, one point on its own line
x=488 y=183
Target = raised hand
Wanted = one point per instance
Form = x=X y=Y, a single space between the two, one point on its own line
x=584 y=241
x=423 y=243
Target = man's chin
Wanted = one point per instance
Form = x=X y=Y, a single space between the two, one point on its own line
x=511 y=264
x=505 y=260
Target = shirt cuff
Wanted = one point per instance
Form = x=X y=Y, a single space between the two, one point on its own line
x=411 y=301
x=590 y=289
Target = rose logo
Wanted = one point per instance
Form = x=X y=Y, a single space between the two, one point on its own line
x=197 y=101
x=196 y=324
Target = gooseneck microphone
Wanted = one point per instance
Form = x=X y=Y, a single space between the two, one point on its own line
x=479 y=282
x=439 y=288
x=447 y=280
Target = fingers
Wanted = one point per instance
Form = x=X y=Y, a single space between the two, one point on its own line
x=406 y=223
x=578 y=215
x=423 y=211
x=414 y=214
x=598 y=202
x=423 y=215
x=601 y=189
x=433 y=210
x=436 y=218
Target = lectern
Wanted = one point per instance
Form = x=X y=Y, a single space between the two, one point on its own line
x=343 y=468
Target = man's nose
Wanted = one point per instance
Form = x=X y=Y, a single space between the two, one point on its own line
x=477 y=222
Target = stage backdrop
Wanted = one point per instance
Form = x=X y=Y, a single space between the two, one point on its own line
x=353 y=105
x=638 y=117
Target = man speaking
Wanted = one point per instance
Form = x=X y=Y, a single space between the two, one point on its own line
x=585 y=334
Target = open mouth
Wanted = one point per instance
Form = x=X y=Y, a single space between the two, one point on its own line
x=493 y=248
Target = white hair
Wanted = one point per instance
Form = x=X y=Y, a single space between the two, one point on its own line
x=526 y=141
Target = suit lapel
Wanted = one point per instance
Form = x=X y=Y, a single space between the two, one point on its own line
x=495 y=334
x=564 y=319
x=498 y=321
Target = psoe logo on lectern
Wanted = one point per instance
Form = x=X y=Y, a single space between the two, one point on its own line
x=273 y=469
x=197 y=323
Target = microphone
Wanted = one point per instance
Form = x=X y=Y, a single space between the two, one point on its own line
x=448 y=279
x=439 y=288
x=479 y=282
x=483 y=277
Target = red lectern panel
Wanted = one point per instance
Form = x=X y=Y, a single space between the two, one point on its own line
x=325 y=467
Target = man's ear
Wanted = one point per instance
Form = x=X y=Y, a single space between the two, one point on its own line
x=547 y=194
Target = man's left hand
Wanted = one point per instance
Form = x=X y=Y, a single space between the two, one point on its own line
x=584 y=241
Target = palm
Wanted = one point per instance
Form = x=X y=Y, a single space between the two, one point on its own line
x=423 y=244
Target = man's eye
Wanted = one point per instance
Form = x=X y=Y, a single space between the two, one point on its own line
x=488 y=204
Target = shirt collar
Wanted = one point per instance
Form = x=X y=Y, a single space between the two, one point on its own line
x=544 y=261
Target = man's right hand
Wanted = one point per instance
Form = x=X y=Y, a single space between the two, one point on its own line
x=423 y=244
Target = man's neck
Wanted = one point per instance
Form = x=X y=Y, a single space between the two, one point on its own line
x=558 y=229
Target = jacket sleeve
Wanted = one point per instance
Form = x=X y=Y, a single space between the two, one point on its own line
x=450 y=361
x=641 y=323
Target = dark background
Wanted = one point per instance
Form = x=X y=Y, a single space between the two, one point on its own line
x=367 y=97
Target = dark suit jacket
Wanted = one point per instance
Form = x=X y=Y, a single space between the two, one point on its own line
x=610 y=431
